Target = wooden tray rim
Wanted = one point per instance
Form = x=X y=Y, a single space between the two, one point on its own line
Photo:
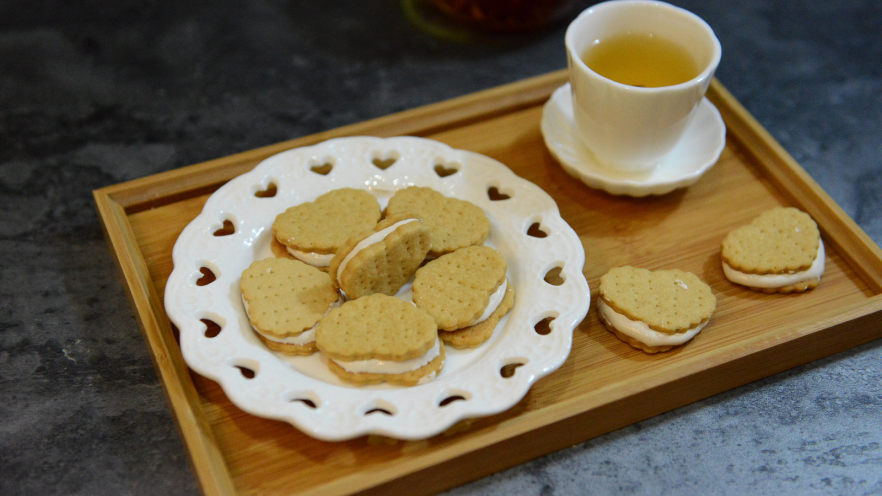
x=116 y=202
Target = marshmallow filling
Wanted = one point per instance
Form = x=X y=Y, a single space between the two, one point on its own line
x=314 y=259
x=493 y=304
x=642 y=332
x=376 y=366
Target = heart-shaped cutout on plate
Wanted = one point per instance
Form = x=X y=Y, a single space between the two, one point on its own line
x=322 y=169
x=384 y=162
x=443 y=170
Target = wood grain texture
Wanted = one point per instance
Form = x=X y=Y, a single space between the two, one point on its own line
x=604 y=385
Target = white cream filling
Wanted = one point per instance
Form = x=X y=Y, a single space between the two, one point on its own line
x=493 y=304
x=373 y=238
x=778 y=280
x=375 y=366
x=642 y=332
x=304 y=338
x=314 y=259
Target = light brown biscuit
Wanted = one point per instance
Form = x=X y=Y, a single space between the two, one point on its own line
x=453 y=223
x=799 y=287
x=668 y=301
x=322 y=225
x=284 y=298
x=776 y=253
x=381 y=265
x=376 y=326
x=456 y=288
x=470 y=337
x=780 y=240
x=382 y=328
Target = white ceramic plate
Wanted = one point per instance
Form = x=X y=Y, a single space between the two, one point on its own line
x=301 y=390
x=695 y=153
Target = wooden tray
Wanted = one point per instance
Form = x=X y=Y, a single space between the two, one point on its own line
x=604 y=384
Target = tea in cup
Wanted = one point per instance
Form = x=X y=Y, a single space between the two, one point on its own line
x=638 y=70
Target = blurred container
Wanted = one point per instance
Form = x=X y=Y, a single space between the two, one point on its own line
x=504 y=15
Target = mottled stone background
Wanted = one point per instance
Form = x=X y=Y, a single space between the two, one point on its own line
x=94 y=93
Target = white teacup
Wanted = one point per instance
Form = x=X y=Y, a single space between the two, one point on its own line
x=631 y=128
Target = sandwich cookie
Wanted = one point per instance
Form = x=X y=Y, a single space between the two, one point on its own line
x=654 y=311
x=381 y=261
x=778 y=252
x=379 y=338
x=466 y=292
x=313 y=231
x=453 y=223
x=284 y=300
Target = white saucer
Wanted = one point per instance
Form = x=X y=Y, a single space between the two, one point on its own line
x=697 y=151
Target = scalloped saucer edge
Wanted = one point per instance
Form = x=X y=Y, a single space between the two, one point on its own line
x=696 y=152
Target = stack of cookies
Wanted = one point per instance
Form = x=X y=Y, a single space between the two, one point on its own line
x=339 y=263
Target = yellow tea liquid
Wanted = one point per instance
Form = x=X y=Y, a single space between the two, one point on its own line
x=641 y=59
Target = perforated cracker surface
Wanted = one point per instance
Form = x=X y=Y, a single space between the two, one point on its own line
x=455 y=288
x=384 y=266
x=667 y=301
x=453 y=223
x=780 y=240
x=324 y=224
x=376 y=326
x=284 y=297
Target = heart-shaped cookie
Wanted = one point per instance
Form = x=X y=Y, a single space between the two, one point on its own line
x=320 y=227
x=778 y=252
x=380 y=338
x=667 y=301
x=780 y=240
x=456 y=289
x=453 y=223
x=381 y=261
x=284 y=299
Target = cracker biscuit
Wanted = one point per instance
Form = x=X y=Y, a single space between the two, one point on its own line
x=466 y=292
x=381 y=261
x=654 y=310
x=780 y=251
x=380 y=338
x=284 y=299
x=453 y=223
x=313 y=231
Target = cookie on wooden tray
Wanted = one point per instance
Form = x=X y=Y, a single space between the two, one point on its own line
x=453 y=223
x=380 y=338
x=778 y=252
x=284 y=300
x=654 y=311
x=466 y=292
x=313 y=231
x=381 y=261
